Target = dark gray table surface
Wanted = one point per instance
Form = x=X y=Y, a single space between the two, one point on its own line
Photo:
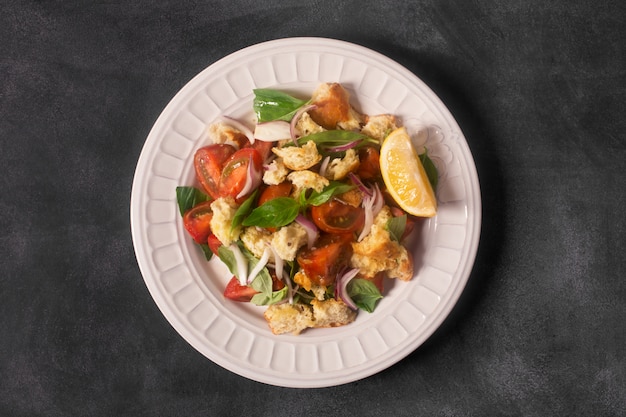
x=537 y=87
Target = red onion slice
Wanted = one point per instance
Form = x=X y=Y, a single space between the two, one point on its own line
x=260 y=265
x=324 y=166
x=342 y=148
x=239 y=126
x=242 y=264
x=272 y=131
x=253 y=180
x=294 y=121
x=357 y=181
x=311 y=230
x=341 y=288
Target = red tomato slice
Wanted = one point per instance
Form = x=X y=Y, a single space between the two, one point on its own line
x=235 y=171
x=369 y=168
x=335 y=216
x=208 y=162
x=197 y=221
x=214 y=243
x=330 y=254
x=237 y=292
x=378 y=280
x=264 y=148
x=274 y=191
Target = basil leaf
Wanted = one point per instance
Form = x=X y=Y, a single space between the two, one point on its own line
x=243 y=211
x=333 y=188
x=430 y=168
x=263 y=284
x=396 y=226
x=364 y=294
x=331 y=138
x=262 y=299
x=208 y=253
x=188 y=197
x=274 y=213
x=271 y=104
x=228 y=257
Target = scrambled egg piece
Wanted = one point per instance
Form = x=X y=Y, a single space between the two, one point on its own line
x=224 y=209
x=339 y=168
x=299 y=157
x=276 y=173
x=377 y=252
x=303 y=180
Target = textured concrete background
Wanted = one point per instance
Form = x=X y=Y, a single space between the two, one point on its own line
x=539 y=90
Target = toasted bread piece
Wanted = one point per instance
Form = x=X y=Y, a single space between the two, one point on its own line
x=377 y=252
x=299 y=157
x=293 y=318
x=333 y=109
x=289 y=318
x=332 y=313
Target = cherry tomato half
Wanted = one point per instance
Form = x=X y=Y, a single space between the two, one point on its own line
x=274 y=191
x=264 y=148
x=214 y=243
x=335 y=216
x=235 y=171
x=369 y=167
x=330 y=254
x=197 y=221
x=237 y=292
x=208 y=162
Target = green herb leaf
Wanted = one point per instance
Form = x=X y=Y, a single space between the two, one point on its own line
x=364 y=294
x=263 y=284
x=188 y=197
x=430 y=168
x=274 y=213
x=264 y=299
x=396 y=226
x=271 y=104
x=332 y=189
x=228 y=257
x=208 y=253
x=332 y=138
x=243 y=211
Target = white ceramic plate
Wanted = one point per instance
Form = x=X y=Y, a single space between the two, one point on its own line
x=188 y=290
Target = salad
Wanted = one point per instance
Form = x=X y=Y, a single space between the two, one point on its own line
x=299 y=210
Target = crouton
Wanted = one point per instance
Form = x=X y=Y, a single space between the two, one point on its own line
x=339 y=168
x=299 y=158
x=256 y=239
x=377 y=252
x=224 y=209
x=306 y=126
x=379 y=126
x=288 y=239
x=289 y=318
x=306 y=179
x=220 y=132
x=276 y=173
x=331 y=313
x=293 y=318
x=333 y=109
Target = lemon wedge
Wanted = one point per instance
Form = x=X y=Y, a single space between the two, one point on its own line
x=404 y=175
